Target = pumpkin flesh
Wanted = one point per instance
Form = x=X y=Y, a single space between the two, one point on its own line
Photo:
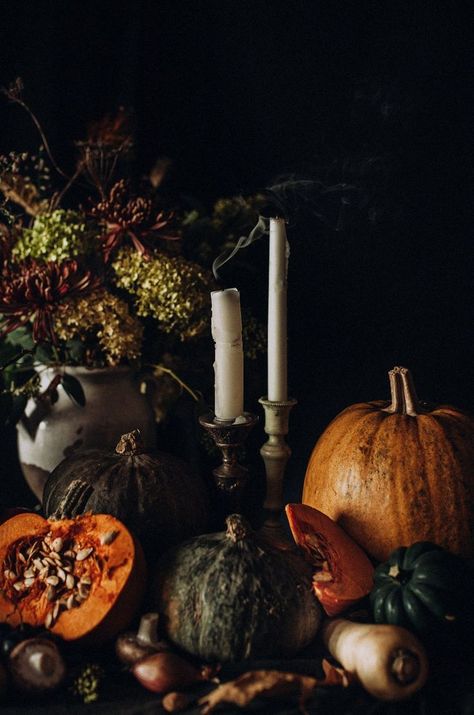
x=342 y=572
x=116 y=572
x=390 y=477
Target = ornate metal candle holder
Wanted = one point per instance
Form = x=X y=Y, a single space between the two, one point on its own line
x=230 y=477
x=275 y=453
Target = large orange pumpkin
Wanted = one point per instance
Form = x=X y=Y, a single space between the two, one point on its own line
x=394 y=473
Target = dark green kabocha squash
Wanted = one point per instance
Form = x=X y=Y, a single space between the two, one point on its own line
x=156 y=495
x=231 y=596
x=419 y=587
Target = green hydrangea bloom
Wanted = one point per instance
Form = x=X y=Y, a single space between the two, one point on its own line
x=170 y=289
x=107 y=319
x=55 y=236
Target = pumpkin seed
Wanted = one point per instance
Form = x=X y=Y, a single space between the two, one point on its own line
x=21 y=557
x=108 y=537
x=29 y=573
x=10 y=575
x=70 y=581
x=55 y=610
x=70 y=554
x=322 y=576
x=83 y=554
x=29 y=582
x=50 y=593
x=38 y=564
x=52 y=580
x=83 y=591
x=18 y=585
x=61 y=574
x=70 y=602
x=49 y=620
x=57 y=545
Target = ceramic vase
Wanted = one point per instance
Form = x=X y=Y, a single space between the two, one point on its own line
x=52 y=430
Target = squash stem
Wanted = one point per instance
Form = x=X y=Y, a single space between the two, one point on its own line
x=404 y=400
x=396 y=392
x=412 y=404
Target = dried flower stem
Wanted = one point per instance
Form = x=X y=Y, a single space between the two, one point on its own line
x=17 y=198
x=180 y=382
x=14 y=97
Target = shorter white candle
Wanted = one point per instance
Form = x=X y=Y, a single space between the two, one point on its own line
x=277 y=312
x=226 y=327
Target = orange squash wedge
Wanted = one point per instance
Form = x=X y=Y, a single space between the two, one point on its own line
x=343 y=574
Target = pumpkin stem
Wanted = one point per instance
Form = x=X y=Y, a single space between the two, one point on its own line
x=405 y=666
x=403 y=393
x=238 y=528
x=74 y=501
x=130 y=443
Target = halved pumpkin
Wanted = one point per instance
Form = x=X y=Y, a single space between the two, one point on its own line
x=82 y=578
x=343 y=574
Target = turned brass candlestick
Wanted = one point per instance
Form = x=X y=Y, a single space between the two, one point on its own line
x=230 y=477
x=275 y=453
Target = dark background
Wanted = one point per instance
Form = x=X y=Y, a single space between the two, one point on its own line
x=242 y=94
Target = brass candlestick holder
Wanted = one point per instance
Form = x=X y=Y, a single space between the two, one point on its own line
x=275 y=453
x=230 y=477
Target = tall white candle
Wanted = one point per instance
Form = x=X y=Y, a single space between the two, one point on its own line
x=277 y=312
x=226 y=327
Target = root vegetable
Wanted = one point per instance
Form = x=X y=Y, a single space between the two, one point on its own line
x=388 y=661
x=131 y=647
x=166 y=671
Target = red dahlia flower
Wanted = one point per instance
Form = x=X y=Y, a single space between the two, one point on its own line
x=32 y=290
x=133 y=218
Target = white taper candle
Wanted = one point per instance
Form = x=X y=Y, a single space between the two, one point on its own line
x=226 y=328
x=277 y=312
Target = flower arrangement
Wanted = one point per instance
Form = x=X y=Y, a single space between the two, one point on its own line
x=98 y=270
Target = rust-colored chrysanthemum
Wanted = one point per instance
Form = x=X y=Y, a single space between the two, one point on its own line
x=134 y=218
x=31 y=290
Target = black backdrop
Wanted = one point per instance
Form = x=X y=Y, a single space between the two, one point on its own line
x=240 y=93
